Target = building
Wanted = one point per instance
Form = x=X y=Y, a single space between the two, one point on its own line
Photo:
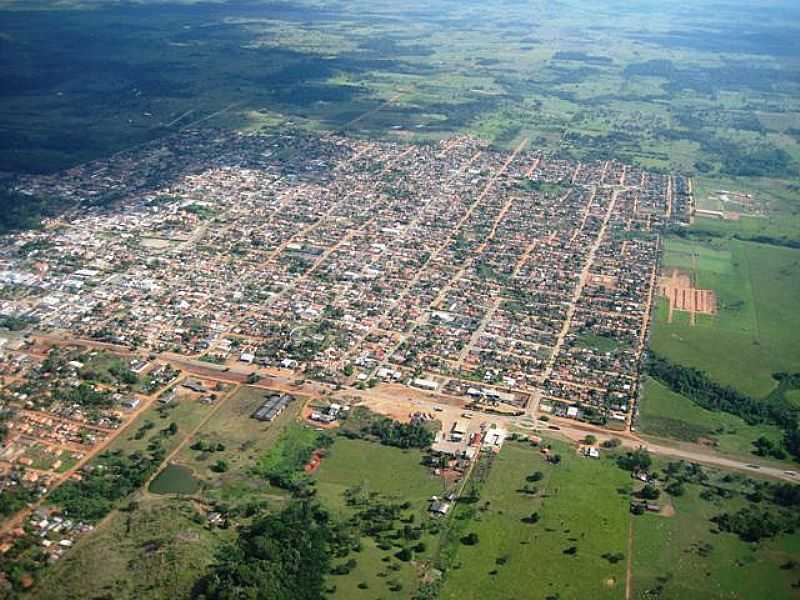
x=130 y=403
x=425 y=384
x=272 y=407
x=195 y=386
x=458 y=430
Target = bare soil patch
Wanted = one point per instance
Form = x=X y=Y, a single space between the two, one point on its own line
x=679 y=289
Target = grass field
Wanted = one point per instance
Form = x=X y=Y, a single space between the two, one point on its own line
x=239 y=441
x=184 y=411
x=667 y=414
x=757 y=287
x=583 y=503
x=684 y=559
x=579 y=506
x=393 y=474
x=153 y=552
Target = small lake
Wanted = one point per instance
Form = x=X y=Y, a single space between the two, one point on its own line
x=174 y=479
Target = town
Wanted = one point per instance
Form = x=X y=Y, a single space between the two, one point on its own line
x=520 y=282
x=511 y=284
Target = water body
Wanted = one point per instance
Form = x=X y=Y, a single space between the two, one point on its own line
x=174 y=479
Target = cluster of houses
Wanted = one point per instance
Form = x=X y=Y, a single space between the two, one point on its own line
x=449 y=266
x=329 y=414
x=53 y=532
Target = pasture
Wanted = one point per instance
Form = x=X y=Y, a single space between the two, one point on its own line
x=582 y=516
x=756 y=286
x=392 y=475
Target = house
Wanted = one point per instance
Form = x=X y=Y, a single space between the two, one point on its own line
x=494 y=437
x=130 y=403
x=439 y=507
x=591 y=452
x=195 y=386
x=247 y=357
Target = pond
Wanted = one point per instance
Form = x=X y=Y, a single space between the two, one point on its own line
x=174 y=479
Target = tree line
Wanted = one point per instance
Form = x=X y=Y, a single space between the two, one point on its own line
x=706 y=393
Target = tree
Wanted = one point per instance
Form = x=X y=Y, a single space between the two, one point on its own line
x=590 y=440
x=650 y=492
x=535 y=476
x=220 y=466
x=404 y=554
x=531 y=519
x=281 y=556
x=638 y=460
x=470 y=539
x=675 y=489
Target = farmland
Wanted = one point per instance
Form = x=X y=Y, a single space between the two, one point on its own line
x=757 y=321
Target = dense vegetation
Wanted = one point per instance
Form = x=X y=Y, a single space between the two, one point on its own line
x=110 y=479
x=13 y=499
x=21 y=211
x=281 y=556
x=402 y=435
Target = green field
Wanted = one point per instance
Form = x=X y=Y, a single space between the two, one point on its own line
x=757 y=287
x=667 y=414
x=684 y=558
x=233 y=436
x=579 y=506
x=393 y=474
x=583 y=504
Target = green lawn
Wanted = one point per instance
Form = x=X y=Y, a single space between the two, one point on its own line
x=579 y=506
